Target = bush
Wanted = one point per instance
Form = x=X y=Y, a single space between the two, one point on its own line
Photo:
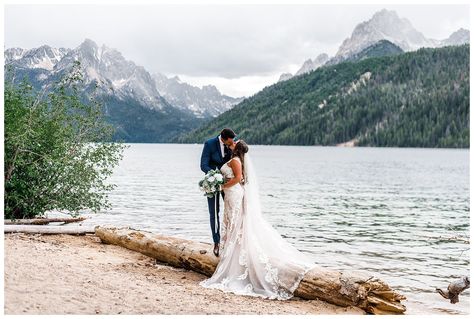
x=57 y=154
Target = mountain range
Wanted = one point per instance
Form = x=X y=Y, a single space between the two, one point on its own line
x=411 y=99
x=124 y=78
x=203 y=102
x=383 y=25
x=152 y=107
x=128 y=91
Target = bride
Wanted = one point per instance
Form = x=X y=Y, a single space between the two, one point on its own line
x=255 y=259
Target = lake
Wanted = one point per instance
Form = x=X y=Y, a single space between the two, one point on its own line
x=383 y=210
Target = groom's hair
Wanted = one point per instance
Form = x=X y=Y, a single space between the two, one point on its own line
x=227 y=133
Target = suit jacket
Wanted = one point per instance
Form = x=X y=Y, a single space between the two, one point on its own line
x=211 y=157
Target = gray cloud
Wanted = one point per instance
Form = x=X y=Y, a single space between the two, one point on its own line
x=228 y=41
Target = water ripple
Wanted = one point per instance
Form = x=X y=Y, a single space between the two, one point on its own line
x=384 y=210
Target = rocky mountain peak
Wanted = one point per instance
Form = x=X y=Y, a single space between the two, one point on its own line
x=321 y=59
x=210 y=89
x=13 y=54
x=202 y=102
x=386 y=16
x=88 y=44
x=43 y=57
x=458 y=37
x=285 y=76
x=384 y=24
x=311 y=65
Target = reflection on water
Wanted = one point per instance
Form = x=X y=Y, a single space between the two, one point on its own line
x=384 y=210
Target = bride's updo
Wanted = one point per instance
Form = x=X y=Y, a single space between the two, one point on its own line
x=239 y=151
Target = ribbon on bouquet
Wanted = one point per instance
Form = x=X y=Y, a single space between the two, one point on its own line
x=216 y=222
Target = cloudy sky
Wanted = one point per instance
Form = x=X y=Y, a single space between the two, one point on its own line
x=238 y=48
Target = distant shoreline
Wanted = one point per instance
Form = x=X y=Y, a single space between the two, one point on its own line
x=342 y=145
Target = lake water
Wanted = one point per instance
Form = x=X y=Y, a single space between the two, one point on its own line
x=382 y=210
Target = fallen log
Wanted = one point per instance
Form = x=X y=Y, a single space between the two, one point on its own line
x=42 y=221
x=455 y=288
x=41 y=229
x=340 y=288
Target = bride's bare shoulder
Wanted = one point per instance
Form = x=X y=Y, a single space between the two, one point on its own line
x=233 y=160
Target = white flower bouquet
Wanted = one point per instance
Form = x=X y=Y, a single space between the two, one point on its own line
x=211 y=183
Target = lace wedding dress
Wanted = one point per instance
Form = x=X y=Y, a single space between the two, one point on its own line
x=255 y=259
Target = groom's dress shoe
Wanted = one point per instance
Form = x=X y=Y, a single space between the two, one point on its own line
x=216 y=250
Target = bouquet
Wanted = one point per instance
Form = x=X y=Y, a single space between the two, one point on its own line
x=211 y=183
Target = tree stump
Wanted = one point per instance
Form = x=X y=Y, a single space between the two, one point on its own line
x=455 y=288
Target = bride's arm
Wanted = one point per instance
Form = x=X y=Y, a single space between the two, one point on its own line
x=237 y=169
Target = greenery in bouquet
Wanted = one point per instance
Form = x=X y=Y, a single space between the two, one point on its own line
x=211 y=183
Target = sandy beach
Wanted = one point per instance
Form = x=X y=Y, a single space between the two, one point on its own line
x=68 y=274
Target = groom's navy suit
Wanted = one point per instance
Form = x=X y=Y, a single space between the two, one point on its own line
x=212 y=158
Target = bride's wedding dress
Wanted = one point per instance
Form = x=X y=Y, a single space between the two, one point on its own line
x=255 y=259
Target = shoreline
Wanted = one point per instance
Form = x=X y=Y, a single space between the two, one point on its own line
x=339 y=145
x=70 y=274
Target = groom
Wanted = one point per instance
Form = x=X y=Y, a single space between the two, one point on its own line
x=215 y=153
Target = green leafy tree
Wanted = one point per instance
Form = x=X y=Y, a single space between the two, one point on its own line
x=57 y=150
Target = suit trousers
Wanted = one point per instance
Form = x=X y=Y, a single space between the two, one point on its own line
x=211 y=202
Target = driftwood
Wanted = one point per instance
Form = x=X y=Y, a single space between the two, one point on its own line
x=41 y=229
x=343 y=289
x=455 y=288
x=42 y=221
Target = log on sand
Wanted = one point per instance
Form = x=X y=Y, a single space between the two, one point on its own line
x=42 y=221
x=41 y=229
x=340 y=288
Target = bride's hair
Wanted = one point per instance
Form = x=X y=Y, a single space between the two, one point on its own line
x=239 y=151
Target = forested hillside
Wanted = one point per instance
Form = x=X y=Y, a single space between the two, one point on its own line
x=415 y=99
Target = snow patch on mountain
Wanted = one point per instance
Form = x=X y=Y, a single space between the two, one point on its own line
x=44 y=57
x=202 y=102
x=14 y=54
x=116 y=75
